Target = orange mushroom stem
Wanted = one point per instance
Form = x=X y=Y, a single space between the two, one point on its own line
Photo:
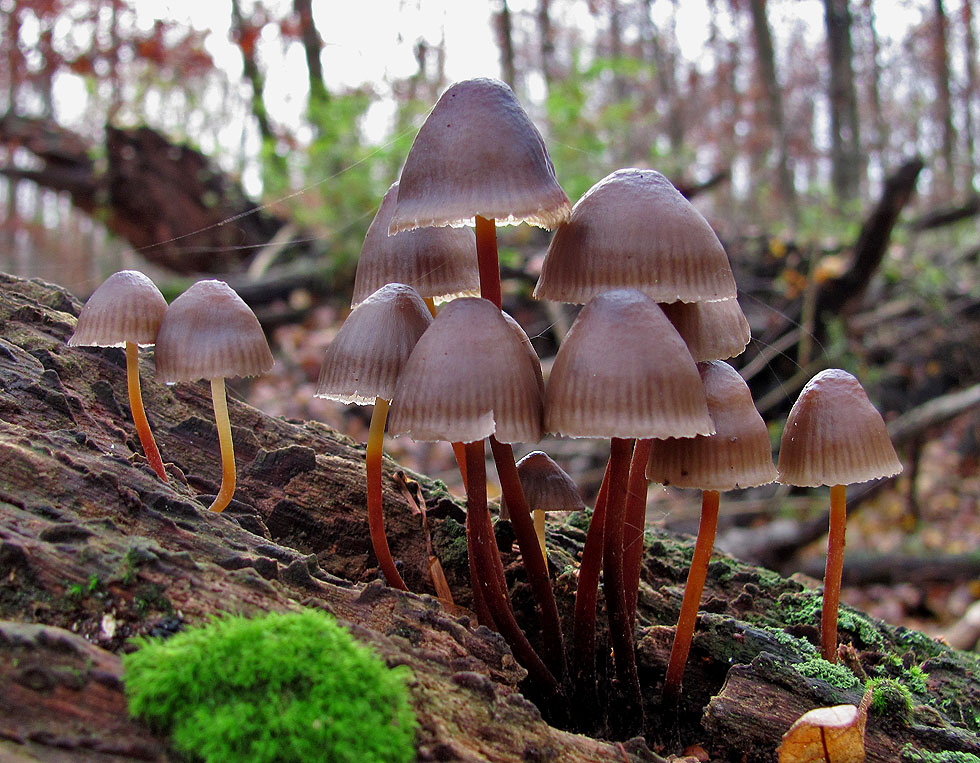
x=227 y=445
x=833 y=573
x=139 y=413
x=635 y=523
x=696 y=576
x=375 y=506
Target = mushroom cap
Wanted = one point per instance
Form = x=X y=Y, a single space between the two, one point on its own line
x=737 y=455
x=478 y=153
x=209 y=332
x=834 y=435
x=712 y=330
x=624 y=371
x=436 y=262
x=634 y=230
x=547 y=486
x=127 y=307
x=469 y=376
x=364 y=359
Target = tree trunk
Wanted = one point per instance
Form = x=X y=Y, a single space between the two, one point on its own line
x=970 y=97
x=505 y=42
x=847 y=163
x=946 y=176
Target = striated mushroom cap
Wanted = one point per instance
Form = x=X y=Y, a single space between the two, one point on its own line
x=127 y=307
x=209 y=332
x=737 y=455
x=634 y=230
x=469 y=376
x=547 y=486
x=624 y=371
x=364 y=359
x=712 y=330
x=834 y=435
x=436 y=262
x=478 y=153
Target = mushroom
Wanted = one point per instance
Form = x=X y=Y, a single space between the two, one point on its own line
x=208 y=332
x=737 y=455
x=712 y=330
x=470 y=376
x=547 y=487
x=361 y=366
x=834 y=436
x=125 y=311
x=622 y=372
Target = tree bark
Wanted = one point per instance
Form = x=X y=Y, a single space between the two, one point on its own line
x=847 y=162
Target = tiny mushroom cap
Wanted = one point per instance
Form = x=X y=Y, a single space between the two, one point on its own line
x=712 y=330
x=127 y=307
x=469 y=376
x=634 y=229
x=436 y=262
x=478 y=153
x=546 y=485
x=364 y=359
x=835 y=436
x=737 y=455
x=209 y=332
x=623 y=371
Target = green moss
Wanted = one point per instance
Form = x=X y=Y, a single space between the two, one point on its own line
x=835 y=675
x=450 y=543
x=804 y=609
x=890 y=698
x=282 y=687
x=915 y=678
x=912 y=755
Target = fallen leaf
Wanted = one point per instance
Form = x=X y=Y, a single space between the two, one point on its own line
x=827 y=735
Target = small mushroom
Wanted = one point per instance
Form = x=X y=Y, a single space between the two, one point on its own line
x=209 y=332
x=834 y=436
x=125 y=311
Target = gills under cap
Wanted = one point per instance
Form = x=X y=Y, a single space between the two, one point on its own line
x=478 y=153
x=127 y=307
x=209 y=332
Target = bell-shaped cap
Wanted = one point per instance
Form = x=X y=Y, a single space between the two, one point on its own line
x=478 y=153
x=209 y=332
x=624 y=371
x=127 y=307
x=436 y=262
x=634 y=230
x=469 y=376
x=737 y=455
x=712 y=330
x=547 y=486
x=364 y=359
x=834 y=435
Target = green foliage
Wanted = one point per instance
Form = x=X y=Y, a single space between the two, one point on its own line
x=836 y=675
x=912 y=755
x=890 y=698
x=281 y=687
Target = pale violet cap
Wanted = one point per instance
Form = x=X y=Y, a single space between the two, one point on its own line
x=127 y=307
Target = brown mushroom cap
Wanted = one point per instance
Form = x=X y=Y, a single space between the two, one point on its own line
x=738 y=454
x=363 y=361
x=209 y=332
x=834 y=435
x=624 y=371
x=634 y=230
x=478 y=153
x=547 y=486
x=712 y=330
x=436 y=262
x=127 y=307
x=469 y=376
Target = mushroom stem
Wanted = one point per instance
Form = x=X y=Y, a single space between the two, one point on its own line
x=636 y=514
x=482 y=550
x=621 y=632
x=535 y=566
x=139 y=414
x=697 y=574
x=460 y=453
x=587 y=594
x=486 y=254
x=376 y=517
x=538 y=517
x=227 y=490
x=833 y=572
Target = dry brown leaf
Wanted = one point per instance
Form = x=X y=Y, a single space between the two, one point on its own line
x=827 y=735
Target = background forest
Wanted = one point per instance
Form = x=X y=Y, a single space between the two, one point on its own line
x=831 y=144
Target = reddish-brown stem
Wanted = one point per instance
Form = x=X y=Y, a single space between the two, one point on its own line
x=375 y=507
x=833 y=572
x=486 y=255
x=697 y=574
x=483 y=550
x=460 y=455
x=620 y=631
x=636 y=515
x=586 y=596
x=139 y=413
x=534 y=562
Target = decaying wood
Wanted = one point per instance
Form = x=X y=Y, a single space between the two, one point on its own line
x=94 y=549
